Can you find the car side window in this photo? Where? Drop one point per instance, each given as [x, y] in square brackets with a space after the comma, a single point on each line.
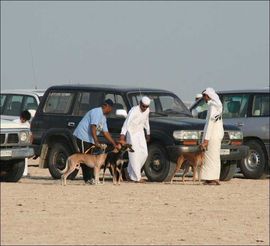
[82, 104]
[201, 109]
[13, 105]
[118, 101]
[3, 99]
[30, 103]
[58, 102]
[235, 106]
[260, 105]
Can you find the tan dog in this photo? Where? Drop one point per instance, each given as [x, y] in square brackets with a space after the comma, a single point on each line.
[195, 160]
[94, 161]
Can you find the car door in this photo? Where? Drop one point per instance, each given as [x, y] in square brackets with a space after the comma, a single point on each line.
[236, 108]
[259, 116]
[84, 101]
[53, 112]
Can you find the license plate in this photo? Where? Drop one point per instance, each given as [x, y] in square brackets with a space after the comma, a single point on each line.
[224, 152]
[6, 153]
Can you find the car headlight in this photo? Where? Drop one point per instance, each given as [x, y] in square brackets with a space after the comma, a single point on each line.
[236, 135]
[24, 137]
[186, 135]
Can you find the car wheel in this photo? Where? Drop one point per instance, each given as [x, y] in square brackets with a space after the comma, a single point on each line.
[57, 160]
[157, 167]
[228, 170]
[12, 171]
[253, 166]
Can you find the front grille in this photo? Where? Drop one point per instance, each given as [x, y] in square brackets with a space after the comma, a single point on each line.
[2, 138]
[13, 138]
[225, 140]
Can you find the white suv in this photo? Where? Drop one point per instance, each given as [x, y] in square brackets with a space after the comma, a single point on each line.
[14, 148]
[13, 102]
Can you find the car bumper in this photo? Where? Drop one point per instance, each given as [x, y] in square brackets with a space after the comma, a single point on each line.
[16, 153]
[228, 152]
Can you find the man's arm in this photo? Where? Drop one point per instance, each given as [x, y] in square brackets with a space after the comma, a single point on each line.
[108, 136]
[147, 128]
[94, 134]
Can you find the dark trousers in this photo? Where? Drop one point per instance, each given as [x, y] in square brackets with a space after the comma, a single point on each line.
[87, 172]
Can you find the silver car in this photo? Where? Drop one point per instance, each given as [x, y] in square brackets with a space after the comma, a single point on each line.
[249, 110]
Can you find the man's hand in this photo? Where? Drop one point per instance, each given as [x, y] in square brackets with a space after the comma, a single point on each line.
[97, 144]
[122, 138]
[147, 138]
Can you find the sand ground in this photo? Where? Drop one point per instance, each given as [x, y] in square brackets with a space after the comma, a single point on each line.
[38, 210]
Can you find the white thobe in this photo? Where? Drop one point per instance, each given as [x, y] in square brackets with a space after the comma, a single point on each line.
[133, 128]
[214, 132]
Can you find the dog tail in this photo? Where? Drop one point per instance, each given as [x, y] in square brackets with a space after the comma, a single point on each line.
[66, 167]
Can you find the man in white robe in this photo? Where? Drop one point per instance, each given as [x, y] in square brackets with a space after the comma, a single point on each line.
[133, 131]
[212, 137]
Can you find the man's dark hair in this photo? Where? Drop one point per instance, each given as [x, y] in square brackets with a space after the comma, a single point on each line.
[108, 102]
[25, 115]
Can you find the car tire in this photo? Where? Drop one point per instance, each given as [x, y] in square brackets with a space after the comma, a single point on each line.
[253, 166]
[58, 155]
[12, 171]
[157, 167]
[228, 170]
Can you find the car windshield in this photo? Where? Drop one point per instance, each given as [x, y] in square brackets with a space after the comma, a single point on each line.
[162, 104]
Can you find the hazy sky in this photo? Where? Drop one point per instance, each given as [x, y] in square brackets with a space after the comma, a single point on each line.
[180, 46]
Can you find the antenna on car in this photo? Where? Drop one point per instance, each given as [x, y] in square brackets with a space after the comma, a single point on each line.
[33, 67]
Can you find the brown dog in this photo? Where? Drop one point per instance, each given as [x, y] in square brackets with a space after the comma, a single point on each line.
[94, 161]
[195, 160]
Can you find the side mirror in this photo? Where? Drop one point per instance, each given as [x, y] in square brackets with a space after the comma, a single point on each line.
[121, 112]
[194, 113]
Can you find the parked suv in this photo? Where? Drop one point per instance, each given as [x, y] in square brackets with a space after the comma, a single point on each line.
[14, 148]
[173, 129]
[13, 102]
[248, 110]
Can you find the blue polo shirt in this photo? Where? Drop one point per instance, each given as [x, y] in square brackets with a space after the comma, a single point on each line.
[93, 117]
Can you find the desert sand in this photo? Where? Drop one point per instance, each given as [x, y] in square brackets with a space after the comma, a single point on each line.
[38, 210]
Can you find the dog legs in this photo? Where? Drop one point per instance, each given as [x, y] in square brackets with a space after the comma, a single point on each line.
[179, 163]
[71, 167]
[104, 169]
[96, 173]
[113, 175]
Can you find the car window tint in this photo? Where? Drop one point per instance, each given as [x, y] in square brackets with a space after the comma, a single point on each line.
[260, 106]
[30, 103]
[82, 104]
[14, 105]
[58, 102]
[201, 109]
[118, 101]
[167, 102]
[3, 99]
[235, 106]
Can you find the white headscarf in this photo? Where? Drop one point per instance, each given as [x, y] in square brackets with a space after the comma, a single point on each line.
[214, 97]
[146, 100]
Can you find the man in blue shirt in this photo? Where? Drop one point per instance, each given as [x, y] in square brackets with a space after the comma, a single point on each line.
[89, 128]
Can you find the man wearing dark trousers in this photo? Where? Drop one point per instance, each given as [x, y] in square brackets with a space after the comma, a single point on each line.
[89, 128]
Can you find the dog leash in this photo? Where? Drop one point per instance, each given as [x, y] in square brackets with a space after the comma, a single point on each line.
[89, 149]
